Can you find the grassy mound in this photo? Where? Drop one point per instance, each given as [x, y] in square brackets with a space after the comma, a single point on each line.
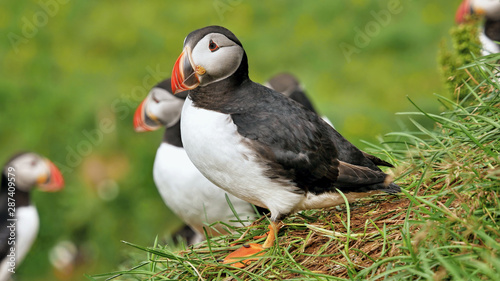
[445, 225]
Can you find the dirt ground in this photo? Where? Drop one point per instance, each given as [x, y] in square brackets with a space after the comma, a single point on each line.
[322, 252]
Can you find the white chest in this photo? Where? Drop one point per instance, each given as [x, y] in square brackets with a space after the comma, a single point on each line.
[488, 46]
[214, 146]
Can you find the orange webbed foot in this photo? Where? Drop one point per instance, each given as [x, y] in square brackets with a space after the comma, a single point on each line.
[251, 250]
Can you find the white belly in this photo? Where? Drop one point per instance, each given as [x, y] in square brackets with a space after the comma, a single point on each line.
[26, 231]
[488, 46]
[190, 195]
[217, 150]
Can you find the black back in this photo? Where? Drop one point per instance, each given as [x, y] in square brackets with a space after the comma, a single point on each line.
[492, 29]
[172, 135]
[289, 85]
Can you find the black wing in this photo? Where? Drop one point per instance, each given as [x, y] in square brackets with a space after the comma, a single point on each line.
[290, 139]
[298, 145]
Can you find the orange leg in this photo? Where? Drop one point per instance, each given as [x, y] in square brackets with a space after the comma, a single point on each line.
[252, 249]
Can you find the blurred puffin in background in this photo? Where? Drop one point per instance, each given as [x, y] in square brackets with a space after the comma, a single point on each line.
[192, 197]
[183, 188]
[489, 36]
[19, 221]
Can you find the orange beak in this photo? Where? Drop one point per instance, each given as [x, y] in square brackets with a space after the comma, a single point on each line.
[463, 10]
[184, 76]
[55, 180]
[145, 121]
[139, 119]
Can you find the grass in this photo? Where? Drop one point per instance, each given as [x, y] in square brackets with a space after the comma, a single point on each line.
[443, 226]
[465, 48]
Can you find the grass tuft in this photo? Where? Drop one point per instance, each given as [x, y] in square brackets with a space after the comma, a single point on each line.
[465, 48]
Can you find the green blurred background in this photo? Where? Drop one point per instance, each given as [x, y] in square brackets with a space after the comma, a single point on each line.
[73, 73]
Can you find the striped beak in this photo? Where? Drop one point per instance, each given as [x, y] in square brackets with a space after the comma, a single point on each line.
[184, 76]
[53, 181]
[144, 121]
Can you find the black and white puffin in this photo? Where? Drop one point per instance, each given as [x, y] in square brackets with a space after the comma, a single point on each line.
[192, 197]
[19, 220]
[259, 145]
[490, 33]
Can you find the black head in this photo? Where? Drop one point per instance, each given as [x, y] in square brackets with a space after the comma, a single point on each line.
[195, 36]
[211, 54]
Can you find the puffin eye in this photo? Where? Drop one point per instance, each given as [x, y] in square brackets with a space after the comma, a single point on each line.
[213, 46]
[154, 98]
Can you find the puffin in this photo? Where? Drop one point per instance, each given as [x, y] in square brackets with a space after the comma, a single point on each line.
[489, 36]
[19, 217]
[192, 197]
[260, 145]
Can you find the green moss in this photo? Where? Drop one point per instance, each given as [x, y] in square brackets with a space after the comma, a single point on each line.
[465, 46]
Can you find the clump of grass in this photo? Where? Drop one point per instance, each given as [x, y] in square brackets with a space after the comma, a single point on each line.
[452, 225]
[445, 225]
[465, 49]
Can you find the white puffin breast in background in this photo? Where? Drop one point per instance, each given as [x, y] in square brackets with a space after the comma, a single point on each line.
[27, 226]
[188, 193]
[488, 46]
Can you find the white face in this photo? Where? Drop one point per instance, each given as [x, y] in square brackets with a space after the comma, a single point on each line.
[29, 170]
[489, 8]
[218, 55]
[163, 106]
